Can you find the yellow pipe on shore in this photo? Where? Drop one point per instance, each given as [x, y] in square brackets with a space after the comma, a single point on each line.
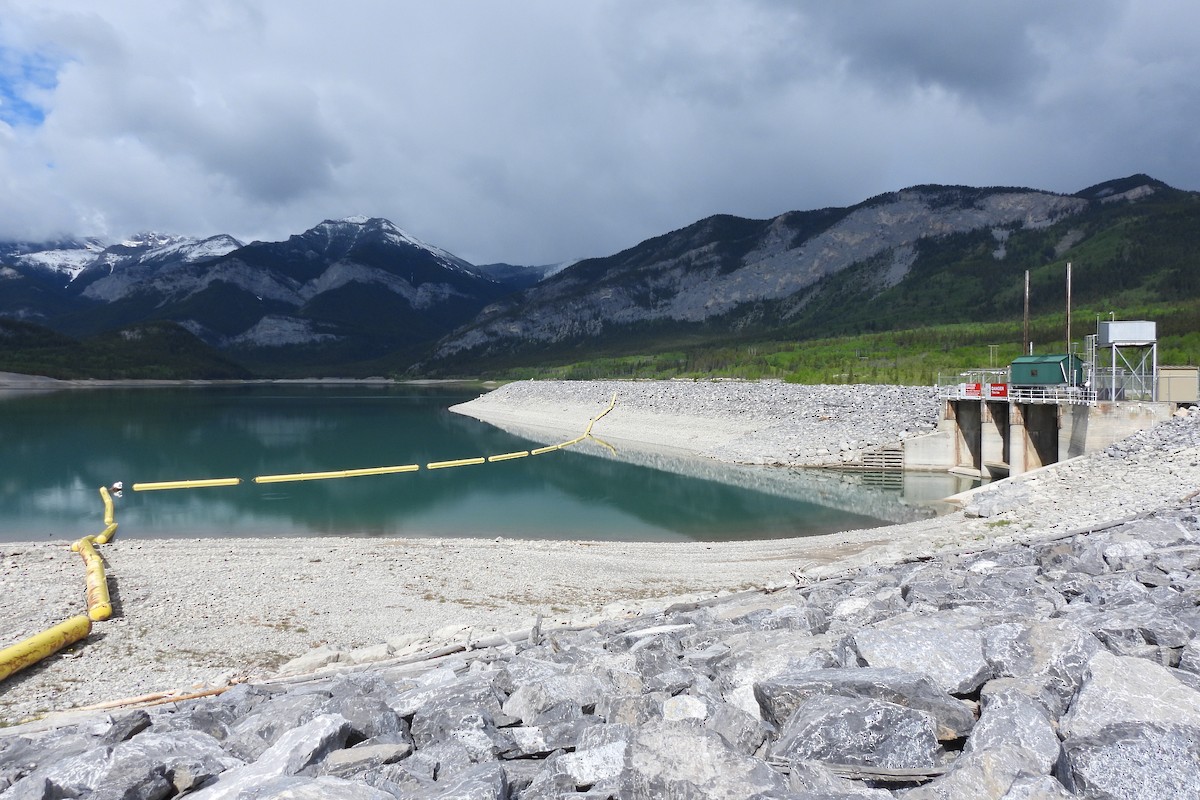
[541, 450]
[107, 534]
[201, 484]
[98, 602]
[611, 405]
[508, 456]
[32, 650]
[462, 462]
[340, 473]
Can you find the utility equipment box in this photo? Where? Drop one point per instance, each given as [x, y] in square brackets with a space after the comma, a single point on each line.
[1132, 333]
[1179, 384]
[1049, 370]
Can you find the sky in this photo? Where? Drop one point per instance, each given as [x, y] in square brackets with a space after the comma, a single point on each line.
[538, 131]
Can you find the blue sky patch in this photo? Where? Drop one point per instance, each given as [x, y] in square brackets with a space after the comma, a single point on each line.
[22, 77]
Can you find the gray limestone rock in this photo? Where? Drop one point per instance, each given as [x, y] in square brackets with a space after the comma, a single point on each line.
[363, 758]
[947, 647]
[811, 780]
[994, 502]
[295, 750]
[524, 741]
[1121, 689]
[291, 787]
[251, 735]
[781, 695]
[149, 765]
[530, 701]
[1012, 719]
[599, 760]
[369, 717]
[1054, 652]
[757, 655]
[1045, 788]
[446, 757]
[862, 732]
[472, 728]
[680, 761]
[743, 732]
[981, 775]
[213, 718]
[481, 782]
[1133, 760]
[806, 618]
[631, 709]
[533, 664]
[1189, 657]
[23, 756]
[864, 605]
[475, 690]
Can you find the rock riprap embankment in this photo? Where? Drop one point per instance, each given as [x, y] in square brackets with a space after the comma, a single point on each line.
[736, 421]
[1064, 668]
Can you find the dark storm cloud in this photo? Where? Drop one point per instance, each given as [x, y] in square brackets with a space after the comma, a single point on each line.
[979, 51]
[538, 131]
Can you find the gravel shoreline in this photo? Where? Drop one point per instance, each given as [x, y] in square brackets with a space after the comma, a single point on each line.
[196, 614]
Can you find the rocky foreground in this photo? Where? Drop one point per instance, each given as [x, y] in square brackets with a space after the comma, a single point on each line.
[1063, 669]
[1049, 666]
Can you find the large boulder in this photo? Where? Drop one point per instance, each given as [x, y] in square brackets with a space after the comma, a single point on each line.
[948, 647]
[1134, 760]
[859, 731]
[1121, 689]
[294, 751]
[781, 695]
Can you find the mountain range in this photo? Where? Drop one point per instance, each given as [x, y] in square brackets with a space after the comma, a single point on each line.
[360, 294]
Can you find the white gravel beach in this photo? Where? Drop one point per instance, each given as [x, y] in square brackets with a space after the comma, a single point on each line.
[198, 614]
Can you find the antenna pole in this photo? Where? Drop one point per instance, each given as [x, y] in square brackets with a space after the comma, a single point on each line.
[1068, 306]
[1025, 330]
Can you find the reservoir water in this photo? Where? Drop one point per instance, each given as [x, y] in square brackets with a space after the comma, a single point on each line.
[58, 448]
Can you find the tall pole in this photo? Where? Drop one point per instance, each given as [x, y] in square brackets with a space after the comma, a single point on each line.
[1025, 333]
[1068, 308]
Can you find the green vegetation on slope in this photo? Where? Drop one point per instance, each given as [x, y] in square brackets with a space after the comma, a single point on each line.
[916, 356]
[153, 350]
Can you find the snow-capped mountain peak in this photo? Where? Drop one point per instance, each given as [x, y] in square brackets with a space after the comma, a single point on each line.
[192, 250]
[152, 239]
[69, 262]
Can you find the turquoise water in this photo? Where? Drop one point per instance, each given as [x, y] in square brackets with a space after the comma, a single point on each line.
[57, 448]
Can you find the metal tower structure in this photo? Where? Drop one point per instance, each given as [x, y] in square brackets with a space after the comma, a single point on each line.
[1130, 371]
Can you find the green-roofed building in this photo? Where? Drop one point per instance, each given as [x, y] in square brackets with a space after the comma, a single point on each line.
[1047, 370]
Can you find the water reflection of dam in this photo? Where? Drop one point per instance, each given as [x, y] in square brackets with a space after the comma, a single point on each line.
[895, 496]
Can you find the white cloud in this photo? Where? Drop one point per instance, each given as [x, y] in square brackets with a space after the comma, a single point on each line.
[536, 131]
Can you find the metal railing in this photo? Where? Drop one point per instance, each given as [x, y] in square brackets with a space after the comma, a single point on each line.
[1060, 395]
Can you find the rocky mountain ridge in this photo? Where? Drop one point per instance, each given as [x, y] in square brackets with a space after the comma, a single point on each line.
[362, 291]
[745, 273]
[359, 285]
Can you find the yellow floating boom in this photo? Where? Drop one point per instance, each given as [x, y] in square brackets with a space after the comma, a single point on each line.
[104, 537]
[339, 473]
[508, 456]
[462, 462]
[201, 484]
[108, 505]
[35, 648]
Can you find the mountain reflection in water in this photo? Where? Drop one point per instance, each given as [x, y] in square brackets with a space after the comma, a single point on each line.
[57, 448]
